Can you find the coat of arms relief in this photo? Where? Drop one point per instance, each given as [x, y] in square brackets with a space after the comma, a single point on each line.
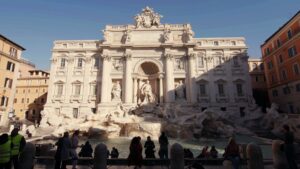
[147, 18]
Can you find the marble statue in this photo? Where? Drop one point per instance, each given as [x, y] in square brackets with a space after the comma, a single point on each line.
[146, 91]
[179, 64]
[117, 65]
[116, 91]
[167, 35]
[138, 21]
[127, 37]
[179, 90]
[188, 35]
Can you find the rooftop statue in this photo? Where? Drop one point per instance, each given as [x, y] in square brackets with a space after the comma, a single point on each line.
[147, 18]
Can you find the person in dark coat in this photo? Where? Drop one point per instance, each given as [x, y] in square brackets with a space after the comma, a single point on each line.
[86, 150]
[289, 147]
[135, 153]
[149, 148]
[213, 152]
[65, 150]
[58, 153]
[164, 144]
[114, 153]
[204, 153]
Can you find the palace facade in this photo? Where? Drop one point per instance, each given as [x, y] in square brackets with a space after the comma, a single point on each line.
[148, 63]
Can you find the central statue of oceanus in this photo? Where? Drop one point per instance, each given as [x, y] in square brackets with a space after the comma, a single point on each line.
[147, 18]
[147, 95]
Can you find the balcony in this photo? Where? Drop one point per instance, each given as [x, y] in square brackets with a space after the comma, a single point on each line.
[222, 98]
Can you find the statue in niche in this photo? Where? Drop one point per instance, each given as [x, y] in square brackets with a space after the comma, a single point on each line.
[116, 91]
[179, 90]
[127, 37]
[156, 19]
[179, 64]
[117, 64]
[106, 36]
[167, 35]
[188, 35]
[146, 92]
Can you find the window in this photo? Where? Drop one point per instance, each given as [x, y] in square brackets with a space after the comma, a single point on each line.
[94, 110]
[77, 88]
[15, 100]
[278, 43]
[42, 100]
[27, 100]
[292, 51]
[298, 87]
[75, 113]
[216, 43]
[268, 51]
[280, 58]
[233, 43]
[242, 111]
[275, 93]
[289, 34]
[97, 63]
[62, 62]
[202, 90]
[221, 89]
[23, 100]
[79, 63]
[239, 89]
[59, 89]
[13, 52]
[296, 69]
[219, 60]
[256, 78]
[4, 101]
[286, 90]
[8, 82]
[200, 61]
[93, 89]
[283, 74]
[223, 108]
[235, 61]
[270, 65]
[10, 66]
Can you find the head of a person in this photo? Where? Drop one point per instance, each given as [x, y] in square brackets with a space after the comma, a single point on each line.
[87, 143]
[213, 148]
[232, 141]
[163, 133]
[149, 138]
[76, 133]
[286, 128]
[66, 134]
[14, 132]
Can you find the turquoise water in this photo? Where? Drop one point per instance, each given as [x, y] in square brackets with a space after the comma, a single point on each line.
[122, 144]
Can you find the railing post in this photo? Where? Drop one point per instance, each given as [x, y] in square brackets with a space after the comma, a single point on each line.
[100, 156]
[177, 156]
[254, 156]
[27, 157]
[279, 158]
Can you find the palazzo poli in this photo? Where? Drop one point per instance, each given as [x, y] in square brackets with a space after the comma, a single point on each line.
[149, 64]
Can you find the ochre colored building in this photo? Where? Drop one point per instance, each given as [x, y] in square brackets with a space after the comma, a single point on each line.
[280, 55]
[10, 56]
[258, 82]
[31, 94]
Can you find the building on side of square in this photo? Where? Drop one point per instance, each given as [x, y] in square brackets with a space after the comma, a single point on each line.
[149, 64]
[281, 58]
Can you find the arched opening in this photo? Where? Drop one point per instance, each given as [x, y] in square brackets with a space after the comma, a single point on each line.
[148, 68]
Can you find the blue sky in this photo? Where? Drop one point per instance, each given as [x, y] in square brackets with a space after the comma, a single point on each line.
[35, 24]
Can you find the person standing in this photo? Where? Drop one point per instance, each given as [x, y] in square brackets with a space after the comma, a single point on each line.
[18, 143]
[149, 148]
[232, 153]
[74, 143]
[135, 153]
[59, 145]
[289, 147]
[65, 150]
[5, 150]
[163, 149]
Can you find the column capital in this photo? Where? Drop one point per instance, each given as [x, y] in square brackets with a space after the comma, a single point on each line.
[169, 56]
[105, 56]
[192, 55]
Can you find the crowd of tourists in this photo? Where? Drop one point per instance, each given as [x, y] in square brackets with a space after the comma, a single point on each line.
[10, 149]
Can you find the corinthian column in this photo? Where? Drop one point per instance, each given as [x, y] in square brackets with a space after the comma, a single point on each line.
[169, 80]
[106, 80]
[192, 78]
[128, 79]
